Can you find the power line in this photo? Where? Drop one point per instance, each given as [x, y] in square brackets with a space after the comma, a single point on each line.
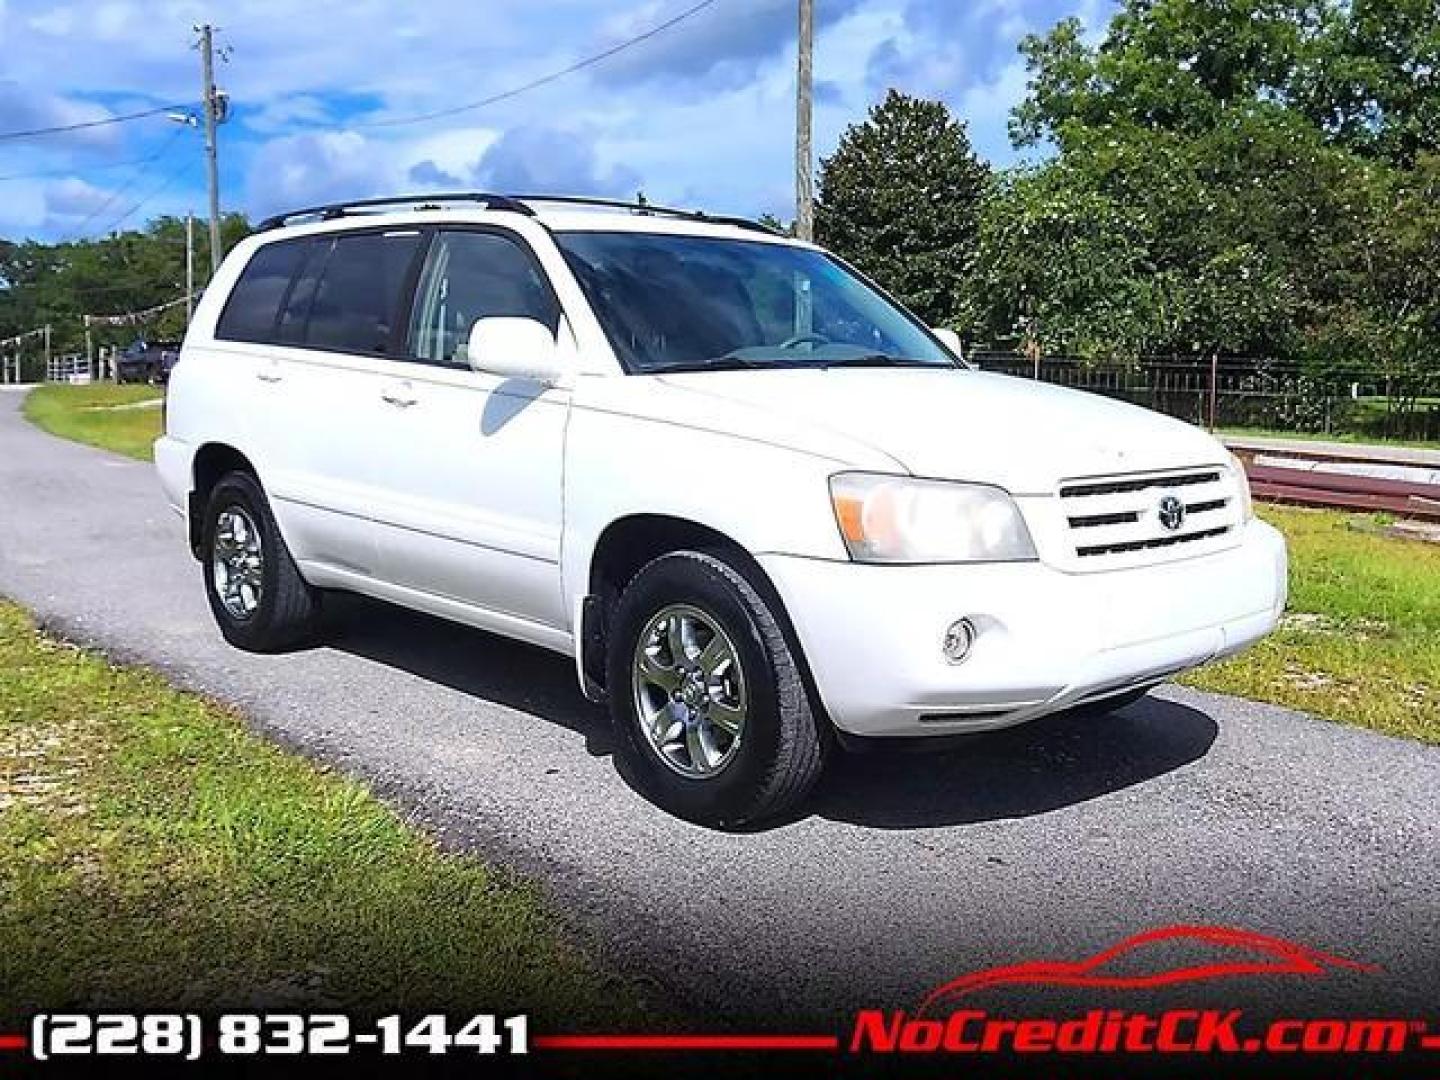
[104, 166]
[121, 119]
[534, 84]
[163, 186]
[145, 163]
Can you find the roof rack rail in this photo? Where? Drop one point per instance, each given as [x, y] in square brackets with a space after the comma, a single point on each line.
[650, 208]
[425, 201]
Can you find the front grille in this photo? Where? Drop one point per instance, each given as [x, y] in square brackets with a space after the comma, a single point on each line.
[1153, 542]
[1117, 487]
[1120, 516]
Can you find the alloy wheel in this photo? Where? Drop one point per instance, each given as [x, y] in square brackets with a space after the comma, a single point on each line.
[237, 562]
[690, 696]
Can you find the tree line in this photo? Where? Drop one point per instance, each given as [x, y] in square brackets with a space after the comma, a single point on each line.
[58, 284]
[1236, 178]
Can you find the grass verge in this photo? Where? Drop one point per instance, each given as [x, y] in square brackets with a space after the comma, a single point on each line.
[1349, 437]
[157, 854]
[123, 418]
[1360, 642]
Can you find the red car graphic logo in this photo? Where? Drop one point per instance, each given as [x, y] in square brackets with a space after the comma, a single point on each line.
[1256, 954]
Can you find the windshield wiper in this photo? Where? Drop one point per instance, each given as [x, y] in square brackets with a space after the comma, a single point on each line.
[738, 363]
[877, 359]
[722, 363]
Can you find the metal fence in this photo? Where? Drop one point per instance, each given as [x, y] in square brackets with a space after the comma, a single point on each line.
[71, 368]
[1234, 393]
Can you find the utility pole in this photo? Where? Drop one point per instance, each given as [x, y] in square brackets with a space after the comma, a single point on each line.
[189, 266]
[47, 347]
[804, 108]
[211, 104]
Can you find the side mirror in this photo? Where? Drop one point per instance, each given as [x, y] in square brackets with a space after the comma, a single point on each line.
[515, 349]
[950, 339]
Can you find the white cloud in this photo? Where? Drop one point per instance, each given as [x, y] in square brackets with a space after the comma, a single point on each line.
[299, 170]
[74, 197]
[305, 78]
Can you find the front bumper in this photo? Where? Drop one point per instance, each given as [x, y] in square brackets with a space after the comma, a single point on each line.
[173, 466]
[1046, 639]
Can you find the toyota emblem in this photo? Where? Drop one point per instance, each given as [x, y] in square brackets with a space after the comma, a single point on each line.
[1171, 512]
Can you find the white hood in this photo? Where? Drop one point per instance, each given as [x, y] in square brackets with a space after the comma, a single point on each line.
[963, 425]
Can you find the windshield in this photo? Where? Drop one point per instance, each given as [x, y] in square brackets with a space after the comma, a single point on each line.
[689, 303]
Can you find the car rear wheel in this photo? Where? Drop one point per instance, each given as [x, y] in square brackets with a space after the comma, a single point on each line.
[714, 719]
[256, 593]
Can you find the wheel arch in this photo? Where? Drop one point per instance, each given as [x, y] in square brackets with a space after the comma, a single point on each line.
[629, 543]
[212, 461]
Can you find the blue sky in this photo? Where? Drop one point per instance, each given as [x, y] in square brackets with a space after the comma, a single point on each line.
[699, 115]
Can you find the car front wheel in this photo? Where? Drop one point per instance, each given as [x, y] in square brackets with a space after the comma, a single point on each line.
[714, 718]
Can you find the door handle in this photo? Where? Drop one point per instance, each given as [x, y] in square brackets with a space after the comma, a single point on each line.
[269, 376]
[401, 397]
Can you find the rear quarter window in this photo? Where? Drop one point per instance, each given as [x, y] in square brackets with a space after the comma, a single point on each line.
[250, 310]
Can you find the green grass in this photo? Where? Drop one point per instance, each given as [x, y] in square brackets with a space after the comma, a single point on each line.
[120, 418]
[1372, 440]
[1360, 642]
[158, 854]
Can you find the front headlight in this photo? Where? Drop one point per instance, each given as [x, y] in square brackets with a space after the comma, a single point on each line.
[897, 519]
[1247, 506]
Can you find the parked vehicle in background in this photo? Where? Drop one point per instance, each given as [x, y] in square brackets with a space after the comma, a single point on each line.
[147, 362]
[765, 509]
[169, 357]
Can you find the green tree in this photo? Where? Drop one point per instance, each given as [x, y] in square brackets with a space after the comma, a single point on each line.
[1233, 242]
[900, 198]
[60, 283]
[770, 221]
[1361, 72]
[1061, 268]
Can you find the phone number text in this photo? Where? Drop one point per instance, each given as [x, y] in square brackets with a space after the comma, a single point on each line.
[189, 1036]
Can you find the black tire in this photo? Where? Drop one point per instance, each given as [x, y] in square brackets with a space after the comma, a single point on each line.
[288, 609]
[781, 752]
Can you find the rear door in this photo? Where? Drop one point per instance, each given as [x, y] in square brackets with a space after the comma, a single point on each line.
[470, 473]
[331, 347]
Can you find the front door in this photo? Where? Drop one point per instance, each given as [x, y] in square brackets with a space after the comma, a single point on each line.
[469, 464]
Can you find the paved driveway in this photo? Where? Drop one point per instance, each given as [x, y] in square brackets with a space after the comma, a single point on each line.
[1051, 841]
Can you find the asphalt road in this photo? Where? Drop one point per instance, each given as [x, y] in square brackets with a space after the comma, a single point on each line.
[1048, 842]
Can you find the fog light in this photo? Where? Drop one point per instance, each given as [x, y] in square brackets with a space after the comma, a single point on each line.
[958, 640]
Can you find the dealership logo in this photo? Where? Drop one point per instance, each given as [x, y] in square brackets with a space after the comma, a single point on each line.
[951, 1020]
[956, 1019]
[1171, 512]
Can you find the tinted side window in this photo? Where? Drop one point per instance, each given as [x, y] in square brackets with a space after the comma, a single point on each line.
[469, 276]
[295, 317]
[250, 311]
[358, 297]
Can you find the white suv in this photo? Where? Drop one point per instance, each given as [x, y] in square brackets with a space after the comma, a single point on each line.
[764, 507]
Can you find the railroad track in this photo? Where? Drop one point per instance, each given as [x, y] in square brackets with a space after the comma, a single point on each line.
[1401, 482]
